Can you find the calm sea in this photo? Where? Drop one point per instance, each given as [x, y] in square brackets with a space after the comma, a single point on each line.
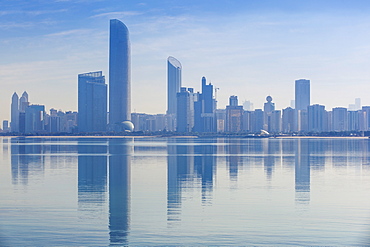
[184, 191]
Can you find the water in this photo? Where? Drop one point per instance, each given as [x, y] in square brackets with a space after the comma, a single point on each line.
[184, 191]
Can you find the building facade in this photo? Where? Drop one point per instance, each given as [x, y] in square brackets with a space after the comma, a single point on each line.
[119, 74]
[92, 102]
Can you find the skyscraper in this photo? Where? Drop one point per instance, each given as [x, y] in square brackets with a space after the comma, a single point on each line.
[173, 83]
[119, 74]
[14, 124]
[185, 110]
[302, 94]
[92, 102]
[302, 101]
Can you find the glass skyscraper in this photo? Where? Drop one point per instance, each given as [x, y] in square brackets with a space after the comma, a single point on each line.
[173, 83]
[119, 74]
[302, 94]
[92, 102]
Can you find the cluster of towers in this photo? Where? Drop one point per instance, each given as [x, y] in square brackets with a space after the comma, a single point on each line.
[187, 110]
[92, 90]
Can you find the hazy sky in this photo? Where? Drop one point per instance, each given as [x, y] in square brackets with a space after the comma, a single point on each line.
[248, 48]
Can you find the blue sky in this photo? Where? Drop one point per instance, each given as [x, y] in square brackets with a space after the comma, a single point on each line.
[246, 48]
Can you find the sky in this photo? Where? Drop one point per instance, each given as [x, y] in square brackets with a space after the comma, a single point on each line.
[248, 48]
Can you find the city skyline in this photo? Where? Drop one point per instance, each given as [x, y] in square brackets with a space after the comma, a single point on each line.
[253, 50]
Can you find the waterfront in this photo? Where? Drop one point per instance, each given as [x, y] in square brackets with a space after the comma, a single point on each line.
[184, 191]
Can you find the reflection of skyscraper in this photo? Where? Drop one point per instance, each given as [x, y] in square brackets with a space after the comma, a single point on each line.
[302, 171]
[119, 73]
[179, 164]
[92, 175]
[233, 159]
[92, 102]
[270, 148]
[26, 157]
[119, 190]
[204, 164]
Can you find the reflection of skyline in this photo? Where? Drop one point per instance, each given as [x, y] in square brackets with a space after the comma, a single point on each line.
[26, 156]
[270, 148]
[185, 162]
[119, 190]
[302, 170]
[204, 165]
[179, 160]
[92, 175]
[94, 167]
[233, 159]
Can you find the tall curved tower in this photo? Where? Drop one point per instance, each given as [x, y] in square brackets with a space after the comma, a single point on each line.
[119, 73]
[14, 124]
[173, 83]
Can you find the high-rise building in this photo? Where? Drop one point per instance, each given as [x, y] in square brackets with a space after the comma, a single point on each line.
[234, 115]
[174, 69]
[34, 119]
[288, 120]
[185, 110]
[14, 124]
[340, 119]
[302, 101]
[23, 102]
[119, 74]
[92, 102]
[316, 118]
[302, 94]
[204, 109]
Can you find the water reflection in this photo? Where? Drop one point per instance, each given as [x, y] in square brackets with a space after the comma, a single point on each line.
[94, 167]
[204, 166]
[302, 171]
[187, 163]
[26, 157]
[179, 168]
[233, 159]
[120, 151]
[92, 176]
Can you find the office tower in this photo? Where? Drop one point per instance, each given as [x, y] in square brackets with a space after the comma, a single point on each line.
[34, 118]
[233, 100]
[288, 120]
[234, 115]
[302, 101]
[5, 125]
[365, 119]
[340, 119]
[53, 122]
[23, 102]
[119, 74]
[316, 118]
[257, 121]
[14, 124]
[354, 118]
[204, 109]
[268, 108]
[275, 123]
[185, 110]
[302, 94]
[174, 69]
[92, 102]
[220, 115]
